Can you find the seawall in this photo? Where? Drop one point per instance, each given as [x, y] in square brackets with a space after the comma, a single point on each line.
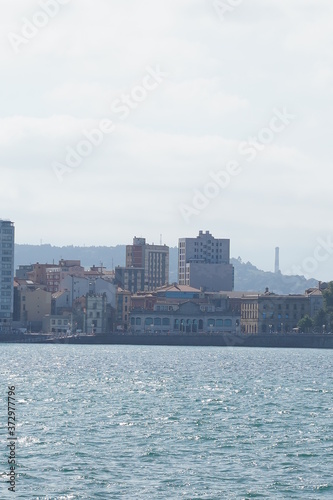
[311, 341]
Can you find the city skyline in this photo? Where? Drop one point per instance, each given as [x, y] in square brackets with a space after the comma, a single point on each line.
[146, 120]
[309, 267]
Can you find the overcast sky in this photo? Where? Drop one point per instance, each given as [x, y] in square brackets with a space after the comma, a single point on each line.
[214, 116]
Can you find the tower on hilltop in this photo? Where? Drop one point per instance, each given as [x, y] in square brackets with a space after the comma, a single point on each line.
[277, 260]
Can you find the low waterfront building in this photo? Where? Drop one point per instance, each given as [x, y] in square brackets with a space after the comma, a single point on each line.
[77, 286]
[179, 292]
[143, 301]
[123, 309]
[235, 299]
[61, 302]
[95, 317]
[34, 305]
[268, 312]
[316, 300]
[183, 318]
[57, 323]
[101, 285]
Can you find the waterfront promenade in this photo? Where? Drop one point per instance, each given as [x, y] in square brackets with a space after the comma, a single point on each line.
[294, 340]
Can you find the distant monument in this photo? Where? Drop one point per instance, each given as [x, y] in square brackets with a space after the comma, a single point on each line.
[277, 260]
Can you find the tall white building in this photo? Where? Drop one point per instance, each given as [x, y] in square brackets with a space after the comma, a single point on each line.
[6, 273]
[204, 261]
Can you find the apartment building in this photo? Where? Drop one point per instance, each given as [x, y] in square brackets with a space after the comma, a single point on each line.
[204, 262]
[6, 273]
[153, 259]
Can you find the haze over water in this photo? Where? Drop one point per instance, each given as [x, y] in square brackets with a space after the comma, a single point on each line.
[141, 422]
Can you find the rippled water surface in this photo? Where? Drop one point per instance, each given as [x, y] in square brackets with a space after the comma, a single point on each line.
[138, 422]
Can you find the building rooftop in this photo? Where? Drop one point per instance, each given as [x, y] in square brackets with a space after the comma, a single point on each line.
[174, 287]
[238, 294]
[56, 295]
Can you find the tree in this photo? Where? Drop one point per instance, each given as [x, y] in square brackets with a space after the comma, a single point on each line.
[328, 304]
[305, 324]
[320, 319]
[328, 295]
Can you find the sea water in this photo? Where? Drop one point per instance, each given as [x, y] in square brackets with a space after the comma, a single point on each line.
[138, 422]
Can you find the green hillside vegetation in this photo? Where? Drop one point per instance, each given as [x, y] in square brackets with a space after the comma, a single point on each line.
[250, 278]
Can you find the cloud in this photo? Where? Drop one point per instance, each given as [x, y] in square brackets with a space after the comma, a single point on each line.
[224, 80]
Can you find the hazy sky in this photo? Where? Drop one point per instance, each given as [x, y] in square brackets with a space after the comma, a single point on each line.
[211, 115]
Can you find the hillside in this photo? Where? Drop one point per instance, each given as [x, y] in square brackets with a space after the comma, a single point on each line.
[249, 277]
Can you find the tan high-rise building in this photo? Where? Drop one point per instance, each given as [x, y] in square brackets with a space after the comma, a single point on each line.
[154, 259]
